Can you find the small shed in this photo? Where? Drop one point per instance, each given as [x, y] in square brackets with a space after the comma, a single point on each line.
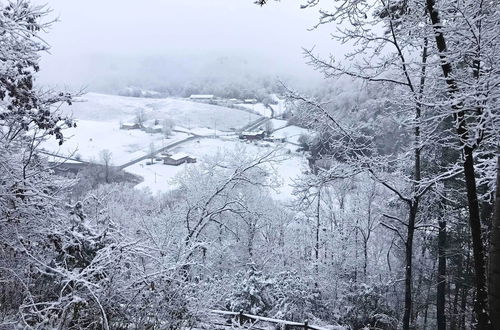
[275, 139]
[178, 159]
[258, 135]
[154, 129]
[250, 101]
[129, 126]
[202, 97]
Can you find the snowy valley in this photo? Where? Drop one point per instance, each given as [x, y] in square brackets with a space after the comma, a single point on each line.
[199, 130]
[251, 164]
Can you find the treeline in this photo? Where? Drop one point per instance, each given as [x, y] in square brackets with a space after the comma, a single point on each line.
[253, 88]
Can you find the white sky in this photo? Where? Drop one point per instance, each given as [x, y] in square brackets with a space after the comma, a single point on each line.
[94, 29]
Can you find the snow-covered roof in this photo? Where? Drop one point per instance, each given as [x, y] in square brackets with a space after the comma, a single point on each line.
[179, 156]
[201, 96]
[252, 133]
[250, 100]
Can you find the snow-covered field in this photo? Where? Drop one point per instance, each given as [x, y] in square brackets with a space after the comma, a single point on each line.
[278, 109]
[98, 118]
[159, 177]
[259, 108]
[89, 138]
[291, 133]
[98, 128]
[278, 123]
[101, 107]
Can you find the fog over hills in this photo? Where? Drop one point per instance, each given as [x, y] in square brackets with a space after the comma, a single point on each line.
[175, 74]
[158, 44]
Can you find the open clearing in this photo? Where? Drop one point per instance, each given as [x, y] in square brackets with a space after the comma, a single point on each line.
[159, 177]
[100, 107]
[211, 127]
[89, 138]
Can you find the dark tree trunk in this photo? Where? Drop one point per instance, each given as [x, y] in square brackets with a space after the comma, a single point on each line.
[481, 306]
[365, 254]
[463, 307]
[441, 278]
[415, 200]
[428, 299]
[316, 245]
[409, 265]
[494, 270]
[466, 288]
[454, 318]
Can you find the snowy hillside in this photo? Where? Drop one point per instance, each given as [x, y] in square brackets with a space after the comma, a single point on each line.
[158, 177]
[101, 107]
[200, 130]
[98, 119]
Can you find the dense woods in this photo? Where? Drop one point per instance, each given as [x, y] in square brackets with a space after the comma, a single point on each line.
[395, 224]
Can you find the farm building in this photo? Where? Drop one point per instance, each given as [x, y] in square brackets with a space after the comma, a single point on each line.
[250, 101]
[258, 135]
[178, 159]
[202, 97]
[130, 126]
[154, 129]
[275, 139]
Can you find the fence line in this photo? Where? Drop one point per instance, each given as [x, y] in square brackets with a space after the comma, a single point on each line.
[242, 317]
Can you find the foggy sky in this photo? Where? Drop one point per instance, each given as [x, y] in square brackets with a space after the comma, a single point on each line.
[95, 37]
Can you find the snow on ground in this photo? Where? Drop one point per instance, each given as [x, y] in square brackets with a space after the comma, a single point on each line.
[278, 123]
[98, 128]
[159, 177]
[279, 108]
[291, 133]
[98, 118]
[289, 170]
[101, 107]
[203, 131]
[89, 138]
[258, 108]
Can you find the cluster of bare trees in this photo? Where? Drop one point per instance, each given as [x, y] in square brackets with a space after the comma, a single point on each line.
[63, 264]
[440, 59]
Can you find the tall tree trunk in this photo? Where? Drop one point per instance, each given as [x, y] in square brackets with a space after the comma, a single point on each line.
[409, 265]
[417, 176]
[481, 305]
[455, 321]
[494, 270]
[465, 293]
[316, 245]
[420, 287]
[365, 254]
[441, 278]
[428, 298]
[454, 318]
